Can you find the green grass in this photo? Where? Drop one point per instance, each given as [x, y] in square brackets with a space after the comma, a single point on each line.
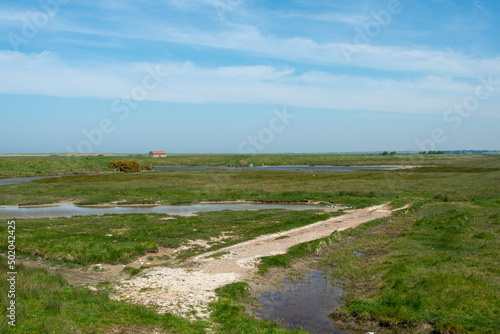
[439, 272]
[22, 166]
[313, 247]
[46, 303]
[51, 165]
[130, 271]
[360, 188]
[437, 265]
[86, 240]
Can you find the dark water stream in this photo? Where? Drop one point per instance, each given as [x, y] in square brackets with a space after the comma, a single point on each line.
[304, 303]
[4, 182]
[291, 168]
[10, 212]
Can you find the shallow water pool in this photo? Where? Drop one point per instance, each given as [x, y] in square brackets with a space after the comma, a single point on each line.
[304, 303]
[10, 212]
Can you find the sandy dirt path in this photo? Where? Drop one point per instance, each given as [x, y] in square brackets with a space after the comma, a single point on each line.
[187, 289]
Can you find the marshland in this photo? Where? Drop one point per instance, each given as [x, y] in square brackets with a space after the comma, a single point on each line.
[428, 263]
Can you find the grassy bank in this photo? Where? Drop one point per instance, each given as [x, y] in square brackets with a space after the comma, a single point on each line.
[441, 270]
[86, 240]
[46, 303]
[22, 166]
[431, 269]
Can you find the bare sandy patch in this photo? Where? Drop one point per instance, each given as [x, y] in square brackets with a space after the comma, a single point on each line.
[182, 292]
[167, 218]
[49, 205]
[204, 243]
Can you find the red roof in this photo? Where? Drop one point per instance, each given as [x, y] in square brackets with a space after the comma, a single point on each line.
[158, 152]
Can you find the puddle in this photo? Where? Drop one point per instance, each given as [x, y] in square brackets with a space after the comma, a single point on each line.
[292, 168]
[11, 212]
[304, 303]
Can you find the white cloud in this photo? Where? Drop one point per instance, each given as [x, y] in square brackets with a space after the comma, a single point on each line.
[333, 17]
[222, 4]
[250, 40]
[46, 74]
[14, 15]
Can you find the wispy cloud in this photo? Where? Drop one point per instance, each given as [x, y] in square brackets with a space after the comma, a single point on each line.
[431, 75]
[46, 74]
[133, 26]
[351, 19]
[249, 40]
[9, 15]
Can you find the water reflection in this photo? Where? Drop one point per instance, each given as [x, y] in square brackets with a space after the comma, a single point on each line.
[291, 168]
[71, 210]
[304, 303]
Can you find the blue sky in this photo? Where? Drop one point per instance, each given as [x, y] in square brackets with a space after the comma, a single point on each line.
[249, 76]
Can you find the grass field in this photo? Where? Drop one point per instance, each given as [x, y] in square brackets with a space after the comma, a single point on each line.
[48, 304]
[22, 166]
[441, 270]
[433, 268]
[360, 188]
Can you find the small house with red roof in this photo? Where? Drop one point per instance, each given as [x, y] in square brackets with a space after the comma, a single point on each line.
[157, 154]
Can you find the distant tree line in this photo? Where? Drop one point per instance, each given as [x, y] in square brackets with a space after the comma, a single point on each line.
[387, 153]
[472, 152]
[431, 152]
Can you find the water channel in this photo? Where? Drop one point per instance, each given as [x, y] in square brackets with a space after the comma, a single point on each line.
[4, 182]
[291, 168]
[10, 212]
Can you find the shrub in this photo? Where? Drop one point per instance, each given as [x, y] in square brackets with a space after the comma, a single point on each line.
[125, 166]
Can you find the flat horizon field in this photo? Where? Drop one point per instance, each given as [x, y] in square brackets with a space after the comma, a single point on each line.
[432, 267]
[64, 164]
